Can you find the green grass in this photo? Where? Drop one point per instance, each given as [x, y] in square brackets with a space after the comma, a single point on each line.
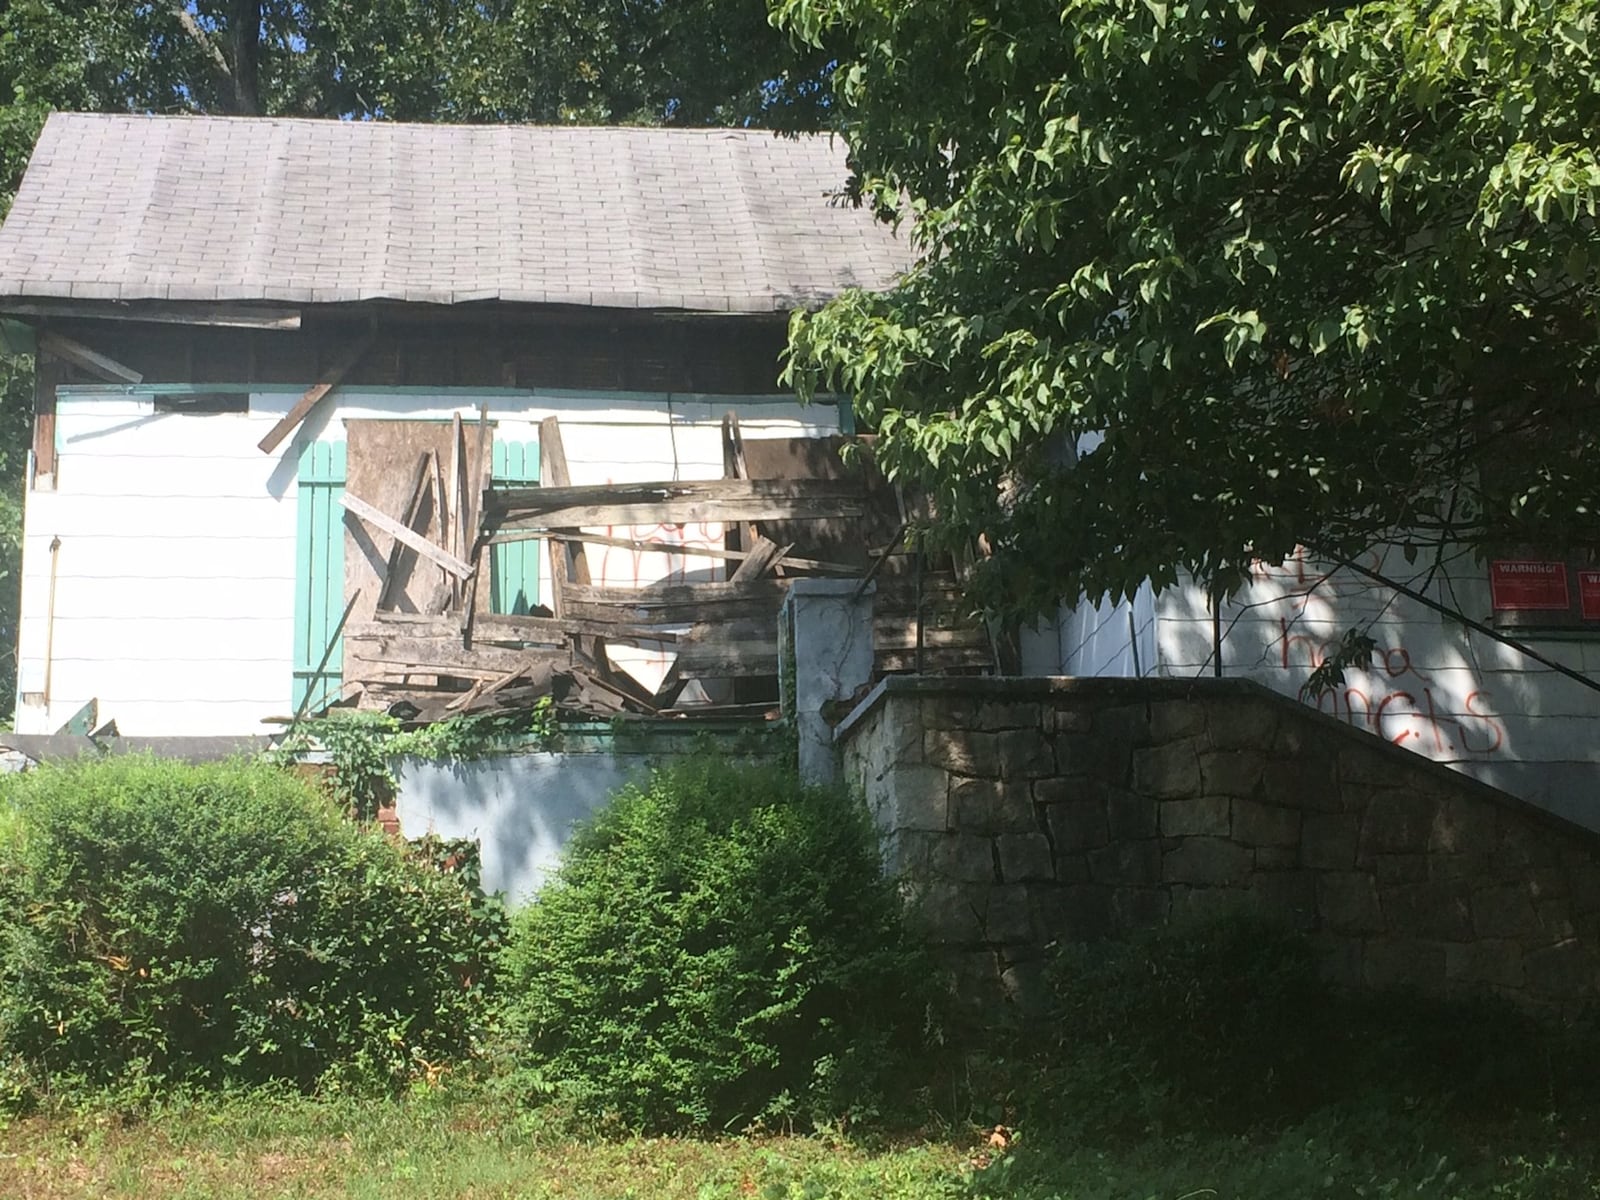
[429, 1145]
[448, 1144]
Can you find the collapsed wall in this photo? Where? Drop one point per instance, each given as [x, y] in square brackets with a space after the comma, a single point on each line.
[1024, 812]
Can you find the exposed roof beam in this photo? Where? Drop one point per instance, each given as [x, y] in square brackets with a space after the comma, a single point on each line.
[91, 360]
[239, 316]
[331, 379]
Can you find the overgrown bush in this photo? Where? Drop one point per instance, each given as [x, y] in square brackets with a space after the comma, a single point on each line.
[719, 947]
[218, 924]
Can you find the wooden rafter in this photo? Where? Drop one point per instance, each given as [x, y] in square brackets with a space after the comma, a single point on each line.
[331, 378]
[75, 352]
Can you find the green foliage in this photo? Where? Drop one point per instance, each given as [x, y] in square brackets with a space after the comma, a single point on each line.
[1204, 281]
[609, 62]
[364, 746]
[1221, 1018]
[1224, 1026]
[214, 925]
[719, 947]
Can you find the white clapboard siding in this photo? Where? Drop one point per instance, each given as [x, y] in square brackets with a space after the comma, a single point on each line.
[175, 577]
[132, 680]
[151, 718]
[159, 639]
[117, 556]
[179, 516]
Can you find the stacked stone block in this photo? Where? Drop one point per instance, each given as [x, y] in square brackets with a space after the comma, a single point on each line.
[1021, 813]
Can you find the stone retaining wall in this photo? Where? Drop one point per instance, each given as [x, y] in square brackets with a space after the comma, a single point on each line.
[1022, 812]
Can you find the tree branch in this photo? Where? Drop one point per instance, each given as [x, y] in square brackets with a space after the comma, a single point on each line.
[202, 39]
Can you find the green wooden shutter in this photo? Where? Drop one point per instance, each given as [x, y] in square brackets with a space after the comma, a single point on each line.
[515, 570]
[319, 573]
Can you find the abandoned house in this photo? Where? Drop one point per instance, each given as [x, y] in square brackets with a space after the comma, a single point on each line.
[429, 419]
[442, 420]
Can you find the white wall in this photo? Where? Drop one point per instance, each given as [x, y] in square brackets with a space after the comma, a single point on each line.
[174, 597]
[1100, 639]
[1434, 687]
[521, 809]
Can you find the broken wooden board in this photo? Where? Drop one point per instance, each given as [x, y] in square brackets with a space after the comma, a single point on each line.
[381, 461]
[410, 537]
[381, 469]
[816, 461]
[568, 562]
[416, 511]
[679, 603]
[102, 366]
[680, 549]
[678, 503]
[331, 378]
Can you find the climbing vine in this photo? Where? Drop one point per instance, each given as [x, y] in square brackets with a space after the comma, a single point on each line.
[363, 746]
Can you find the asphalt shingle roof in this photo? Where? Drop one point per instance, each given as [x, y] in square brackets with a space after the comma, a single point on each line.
[317, 212]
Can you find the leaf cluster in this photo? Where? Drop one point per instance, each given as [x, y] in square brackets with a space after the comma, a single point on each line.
[365, 746]
[719, 947]
[1201, 281]
[173, 924]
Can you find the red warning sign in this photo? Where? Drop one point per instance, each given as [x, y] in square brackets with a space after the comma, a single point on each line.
[1523, 585]
[1589, 594]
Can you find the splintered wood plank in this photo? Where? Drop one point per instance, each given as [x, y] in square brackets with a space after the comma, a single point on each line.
[764, 554]
[533, 674]
[723, 659]
[380, 456]
[331, 378]
[435, 554]
[678, 548]
[482, 477]
[553, 471]
[672, 592]
[493, 628]
[75, 352]
[452, 539]
[414, 513]
[734, 467]
[432, 656]
[543, 500]
[670, 613]
[531, 629]
[687, 511]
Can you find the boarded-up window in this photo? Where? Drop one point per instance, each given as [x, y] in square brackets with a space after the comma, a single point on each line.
[515, 571]
[319, 574]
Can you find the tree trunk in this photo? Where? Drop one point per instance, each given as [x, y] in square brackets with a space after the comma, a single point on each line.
[244, 40]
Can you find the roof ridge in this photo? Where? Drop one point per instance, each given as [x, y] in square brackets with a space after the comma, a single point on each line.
[740, 131]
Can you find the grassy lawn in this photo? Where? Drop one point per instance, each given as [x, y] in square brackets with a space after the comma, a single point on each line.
[444, 1146]
[436, 1148]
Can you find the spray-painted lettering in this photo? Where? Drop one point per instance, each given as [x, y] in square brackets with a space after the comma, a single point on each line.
[1406, 707]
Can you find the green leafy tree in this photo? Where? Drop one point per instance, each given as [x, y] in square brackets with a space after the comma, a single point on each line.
[1203, 281]
[714, 62]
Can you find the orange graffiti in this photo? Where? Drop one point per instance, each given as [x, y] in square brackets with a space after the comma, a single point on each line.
[624, 565]
[1408, 713]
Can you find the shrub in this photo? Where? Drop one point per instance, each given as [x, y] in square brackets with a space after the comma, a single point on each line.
[222, 924]
[718, 947]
